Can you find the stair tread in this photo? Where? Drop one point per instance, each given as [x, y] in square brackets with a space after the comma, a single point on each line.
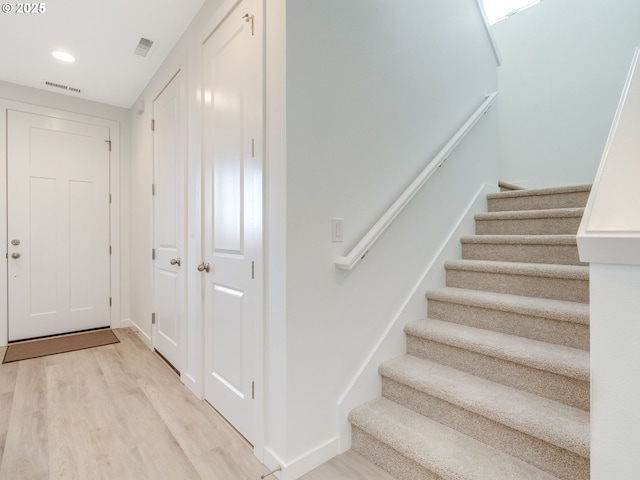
[540, 191]
[558, 359]
[440, 449]
[530, 214]
[578, 272]
[540, 307]
[521, 239]
[553, 422]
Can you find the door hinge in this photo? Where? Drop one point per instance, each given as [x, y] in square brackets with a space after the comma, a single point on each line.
[153, 189]
[110, 199]
[110, 301]
[253, 148]
[153, 254]
[108, 142]
[110, 250]
[249, 18]
[153, 319]
[253, 270]
[253, 390]
[153, 125]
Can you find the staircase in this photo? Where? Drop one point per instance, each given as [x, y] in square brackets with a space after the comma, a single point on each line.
[495, 382]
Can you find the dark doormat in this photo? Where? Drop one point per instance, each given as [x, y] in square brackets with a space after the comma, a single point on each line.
[62, 344]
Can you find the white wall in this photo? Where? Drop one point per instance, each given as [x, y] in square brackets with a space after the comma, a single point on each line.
[564, 66]
[65, 103]
[374, 90]
[615, 370]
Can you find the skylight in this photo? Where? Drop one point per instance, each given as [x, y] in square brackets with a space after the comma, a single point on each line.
[500, 9]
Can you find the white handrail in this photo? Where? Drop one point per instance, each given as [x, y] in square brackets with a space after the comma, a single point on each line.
[360, 250]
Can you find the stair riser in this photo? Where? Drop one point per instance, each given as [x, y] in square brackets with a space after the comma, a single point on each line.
[529, 226]
[387, 458]
[562, 463]
[550, 385]
[572, 290]
[546, 254]
[569, 334]
[539, 202]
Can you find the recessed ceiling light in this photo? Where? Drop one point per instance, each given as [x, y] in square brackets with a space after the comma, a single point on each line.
[63, 56]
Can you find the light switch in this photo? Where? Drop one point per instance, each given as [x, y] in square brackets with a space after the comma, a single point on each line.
[337, 229]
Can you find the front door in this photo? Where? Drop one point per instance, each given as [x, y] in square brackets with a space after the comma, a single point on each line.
[58, 225]
[233, 216]
[169, 151]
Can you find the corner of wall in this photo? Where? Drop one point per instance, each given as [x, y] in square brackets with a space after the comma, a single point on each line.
[146, 339]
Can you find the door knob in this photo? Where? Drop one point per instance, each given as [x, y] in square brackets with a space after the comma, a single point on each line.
[175, 261]
[204, 267]
[17, 255]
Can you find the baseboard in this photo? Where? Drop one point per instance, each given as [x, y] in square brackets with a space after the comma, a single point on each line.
[128, 323]
[366, 385]
[304, 463]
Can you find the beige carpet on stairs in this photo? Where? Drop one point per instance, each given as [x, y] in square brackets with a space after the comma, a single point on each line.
[495, 382]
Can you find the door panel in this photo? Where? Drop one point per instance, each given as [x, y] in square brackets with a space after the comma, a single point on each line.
[58, 211]
[169, 220]
[232, 217]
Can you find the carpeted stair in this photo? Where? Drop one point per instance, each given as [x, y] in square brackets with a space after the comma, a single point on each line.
[495, 382]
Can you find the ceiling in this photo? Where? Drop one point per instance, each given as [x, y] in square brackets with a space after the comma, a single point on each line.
[101, 34]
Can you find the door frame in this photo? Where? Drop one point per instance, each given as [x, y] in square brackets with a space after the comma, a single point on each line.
[196, 214]
[114, 212]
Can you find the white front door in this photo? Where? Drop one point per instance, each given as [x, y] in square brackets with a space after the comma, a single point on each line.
[169, 151]
[233, 217]
[58, 225]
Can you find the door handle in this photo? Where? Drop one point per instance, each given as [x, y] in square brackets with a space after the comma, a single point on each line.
[204, 267]
[175, 261]
[17, 255]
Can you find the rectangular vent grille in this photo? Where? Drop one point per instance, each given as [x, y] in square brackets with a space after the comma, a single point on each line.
[144, 45]
[62, 87]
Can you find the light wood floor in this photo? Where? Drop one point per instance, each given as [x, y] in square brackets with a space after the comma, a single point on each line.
[348, 466]
[118, 412]
[112, 412]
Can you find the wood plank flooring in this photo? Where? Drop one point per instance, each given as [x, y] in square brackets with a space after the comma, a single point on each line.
[119, 412]
[112, 412]
[348, 466]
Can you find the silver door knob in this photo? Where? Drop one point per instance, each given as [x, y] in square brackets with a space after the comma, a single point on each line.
[15, 255]
[175, 261]
[204, 267]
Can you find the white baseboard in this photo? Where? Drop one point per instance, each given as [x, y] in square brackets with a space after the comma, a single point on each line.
[128, 323]
[366, 385]
[304, 463]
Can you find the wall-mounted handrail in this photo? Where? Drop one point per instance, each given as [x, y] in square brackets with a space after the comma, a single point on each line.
[358, 252]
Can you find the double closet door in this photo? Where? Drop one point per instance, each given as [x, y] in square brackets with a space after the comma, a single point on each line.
[230, 272]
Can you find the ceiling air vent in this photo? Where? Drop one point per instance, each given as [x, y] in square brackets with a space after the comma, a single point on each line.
[144, 45]
[62, 87]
